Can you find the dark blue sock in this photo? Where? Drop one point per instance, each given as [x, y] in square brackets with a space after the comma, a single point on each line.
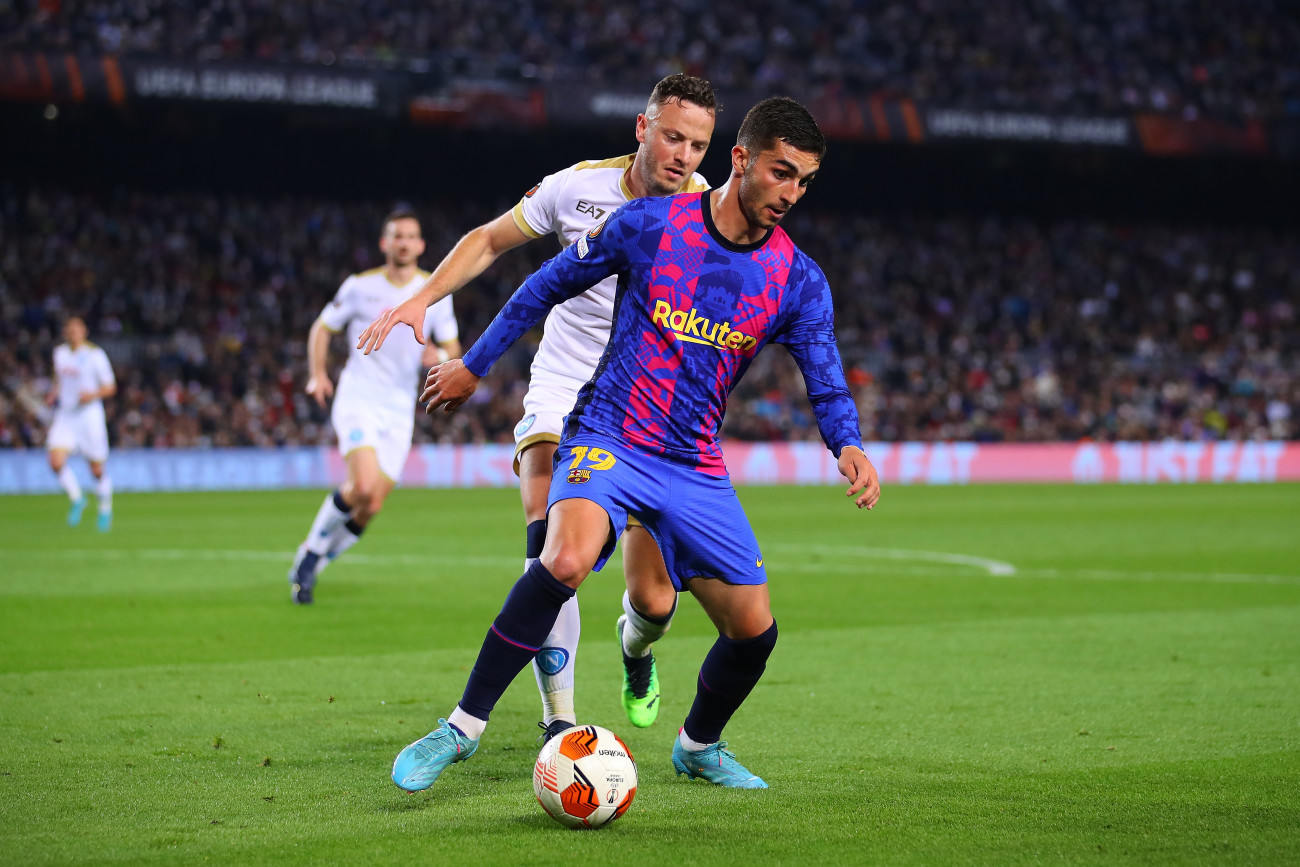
[354, 528]
[340, 503]
[536, 539]
[519, 631]
[729, 673]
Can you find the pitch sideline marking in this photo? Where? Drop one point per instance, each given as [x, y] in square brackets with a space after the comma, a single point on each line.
[991, 567]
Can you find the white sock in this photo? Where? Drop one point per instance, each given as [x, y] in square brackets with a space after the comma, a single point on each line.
[553, 665]
[693, 746]
[104, 491]
[339, 541]
[638, 632]
[328, 519]
[342, 539]
[472, 726]
[68, 479]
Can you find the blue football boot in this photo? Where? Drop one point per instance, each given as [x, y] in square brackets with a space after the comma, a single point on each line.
[715, 764]
[417, 767]
[75, 510]
[105, 522]
[302, 576]
[557, 727]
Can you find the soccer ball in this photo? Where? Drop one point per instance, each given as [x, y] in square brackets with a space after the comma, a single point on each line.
[585, 777]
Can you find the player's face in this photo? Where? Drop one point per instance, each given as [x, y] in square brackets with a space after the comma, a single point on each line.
[772, 181]
[74, 331]
[674, 138]
[402, 242]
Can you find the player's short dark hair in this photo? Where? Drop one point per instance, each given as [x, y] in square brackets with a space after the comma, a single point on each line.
[681, 87]
[781, 119]
[399, 213]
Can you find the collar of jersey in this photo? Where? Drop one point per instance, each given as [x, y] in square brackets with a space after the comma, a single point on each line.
[706, 211]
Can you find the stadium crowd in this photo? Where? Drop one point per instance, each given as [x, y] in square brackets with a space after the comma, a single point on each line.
[1194, 57]
[954, 328]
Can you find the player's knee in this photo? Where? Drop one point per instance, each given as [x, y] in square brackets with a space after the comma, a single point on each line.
[361, 492]
[655, 601]
[755, 648]
[568, 565]
[56, 461]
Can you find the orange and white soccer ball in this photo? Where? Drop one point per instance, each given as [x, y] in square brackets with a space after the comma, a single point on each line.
[585, 777]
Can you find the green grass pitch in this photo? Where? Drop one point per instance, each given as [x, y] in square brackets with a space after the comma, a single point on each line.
[966, 675]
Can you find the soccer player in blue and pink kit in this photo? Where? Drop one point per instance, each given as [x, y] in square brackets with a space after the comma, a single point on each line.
[705, 281]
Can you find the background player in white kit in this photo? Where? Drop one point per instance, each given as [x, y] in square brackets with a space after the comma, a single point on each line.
[673, 135]
[374, 410]
[83, 377]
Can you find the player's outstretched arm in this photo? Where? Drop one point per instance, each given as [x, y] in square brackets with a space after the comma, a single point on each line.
[864, 482]
[578, 267]
[319, 386]
[469, 258]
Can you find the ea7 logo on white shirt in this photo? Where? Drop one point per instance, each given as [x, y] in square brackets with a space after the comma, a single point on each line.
[588, 208]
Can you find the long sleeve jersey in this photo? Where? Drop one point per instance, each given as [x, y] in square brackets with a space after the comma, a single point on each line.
[691, 311]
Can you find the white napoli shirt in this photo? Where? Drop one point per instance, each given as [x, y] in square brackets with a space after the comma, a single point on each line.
[387, 379]
[79, 370]
[570, 203]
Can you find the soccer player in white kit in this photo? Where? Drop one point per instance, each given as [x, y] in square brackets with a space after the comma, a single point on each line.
[83, 377]
[374, 409]
[673, 135]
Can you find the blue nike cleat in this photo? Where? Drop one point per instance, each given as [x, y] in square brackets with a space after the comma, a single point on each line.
[302, 576]
[75, 510]
[717, 765]
[105, 522]
[417, 767]
[556, 727]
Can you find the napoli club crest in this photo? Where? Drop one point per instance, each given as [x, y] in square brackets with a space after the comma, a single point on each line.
[579, 476]
[551, 660]
[524, 424]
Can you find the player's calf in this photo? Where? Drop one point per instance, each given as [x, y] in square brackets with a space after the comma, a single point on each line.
[730, 671]
[636, 633]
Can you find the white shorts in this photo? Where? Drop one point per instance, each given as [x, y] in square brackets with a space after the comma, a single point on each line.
[364, 427]
[549, 399]
[83, 433]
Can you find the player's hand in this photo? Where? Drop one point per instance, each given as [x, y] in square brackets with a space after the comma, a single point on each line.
[87, 397]
[864, 481]
[448, 385]
[321, 389]
[51, 398]
[411, 311]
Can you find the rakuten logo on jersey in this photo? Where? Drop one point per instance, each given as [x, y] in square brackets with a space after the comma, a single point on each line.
[693, 328]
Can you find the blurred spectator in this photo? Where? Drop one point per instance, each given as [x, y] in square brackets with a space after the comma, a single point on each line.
[951, 329]
[1193, 57]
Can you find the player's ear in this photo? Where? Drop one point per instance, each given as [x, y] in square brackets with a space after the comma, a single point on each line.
[739, 159]
[642, 124]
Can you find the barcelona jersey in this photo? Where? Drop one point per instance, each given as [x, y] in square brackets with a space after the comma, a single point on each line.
[691, 311]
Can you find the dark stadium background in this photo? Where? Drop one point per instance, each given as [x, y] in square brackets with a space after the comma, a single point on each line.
[1186, 145]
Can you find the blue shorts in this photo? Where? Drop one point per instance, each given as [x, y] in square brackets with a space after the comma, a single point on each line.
[696, 519]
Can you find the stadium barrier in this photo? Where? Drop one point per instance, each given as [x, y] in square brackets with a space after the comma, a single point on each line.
[427, 95]
[805, 463]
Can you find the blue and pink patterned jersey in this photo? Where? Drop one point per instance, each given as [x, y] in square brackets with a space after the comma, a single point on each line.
[691, 312]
